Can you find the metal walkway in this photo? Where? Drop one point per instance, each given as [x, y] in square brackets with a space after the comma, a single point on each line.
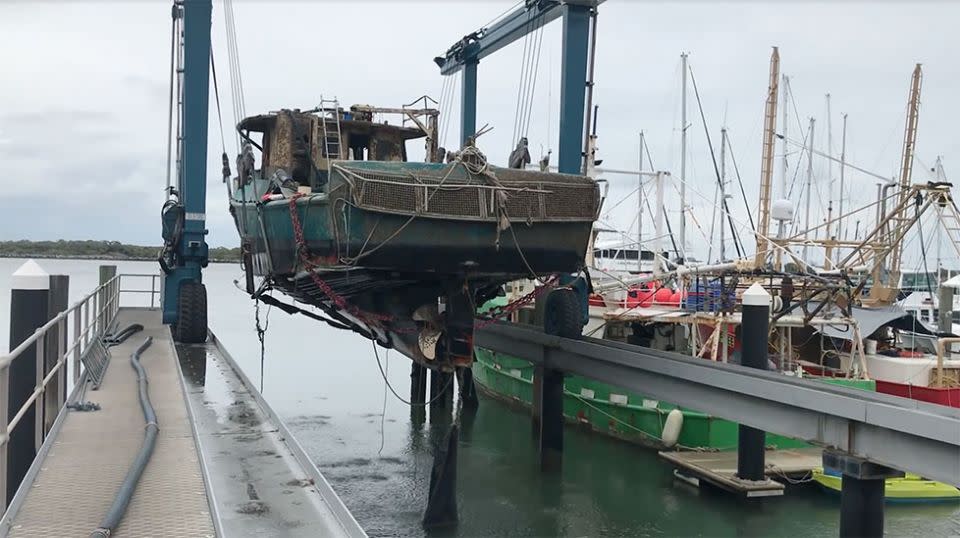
[224, 464]
[88, 458]
[897, 432]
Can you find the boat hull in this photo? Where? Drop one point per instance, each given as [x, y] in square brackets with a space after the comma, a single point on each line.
[614, 412]
[908, 489]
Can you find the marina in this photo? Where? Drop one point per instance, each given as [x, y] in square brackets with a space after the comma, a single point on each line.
[559, 364]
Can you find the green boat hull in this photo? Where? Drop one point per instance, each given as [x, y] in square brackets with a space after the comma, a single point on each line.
[600, 407]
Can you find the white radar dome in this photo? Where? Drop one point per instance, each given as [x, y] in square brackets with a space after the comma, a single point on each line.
[782, 210]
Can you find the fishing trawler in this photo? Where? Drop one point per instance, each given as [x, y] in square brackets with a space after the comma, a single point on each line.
[835, 321]
[331, 212]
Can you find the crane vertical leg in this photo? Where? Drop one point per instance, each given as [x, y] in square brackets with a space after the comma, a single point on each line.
[573, 80]
[183, 292]
[468, 101]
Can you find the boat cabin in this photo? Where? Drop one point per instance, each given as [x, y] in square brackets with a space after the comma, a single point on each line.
[298, 145]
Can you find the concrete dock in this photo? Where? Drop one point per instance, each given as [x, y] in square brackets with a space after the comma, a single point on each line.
[224, 464]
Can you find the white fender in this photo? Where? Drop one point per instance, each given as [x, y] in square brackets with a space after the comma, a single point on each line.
[672, 427]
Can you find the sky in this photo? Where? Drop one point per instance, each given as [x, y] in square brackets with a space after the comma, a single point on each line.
[84, 92]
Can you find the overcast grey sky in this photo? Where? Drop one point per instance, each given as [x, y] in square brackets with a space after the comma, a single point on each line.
[84, 92]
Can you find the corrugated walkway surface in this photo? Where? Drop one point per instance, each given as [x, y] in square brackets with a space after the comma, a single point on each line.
[93, 451]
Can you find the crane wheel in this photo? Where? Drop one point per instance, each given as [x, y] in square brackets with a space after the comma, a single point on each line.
[561, 316]
[191, 327]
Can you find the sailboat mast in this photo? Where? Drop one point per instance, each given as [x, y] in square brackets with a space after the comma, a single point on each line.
[806, 218]
[843, 165]
[786, 124]
[723, 186]
[658, 225]
[683, 157]
[829, 154]
[640, 209]
[766, 165]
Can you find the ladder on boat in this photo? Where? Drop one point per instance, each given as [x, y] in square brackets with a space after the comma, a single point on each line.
[330, 127]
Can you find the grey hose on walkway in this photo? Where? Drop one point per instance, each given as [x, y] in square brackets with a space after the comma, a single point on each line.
[124, 494]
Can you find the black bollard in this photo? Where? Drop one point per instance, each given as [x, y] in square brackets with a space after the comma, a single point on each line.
[107, 272]
[54, 346]
[468, 389]
[755, 328]
[29, 299]
[551, 421]
[442, 498]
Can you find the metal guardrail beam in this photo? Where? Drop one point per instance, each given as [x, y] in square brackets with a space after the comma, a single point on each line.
[897, 432]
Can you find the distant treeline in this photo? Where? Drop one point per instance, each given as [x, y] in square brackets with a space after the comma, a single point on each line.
[97, 250]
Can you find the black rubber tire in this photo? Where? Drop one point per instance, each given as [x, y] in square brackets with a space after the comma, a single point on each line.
[561, 316]
[191, 326]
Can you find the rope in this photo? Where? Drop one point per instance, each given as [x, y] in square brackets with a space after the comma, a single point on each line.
[389, 386]
[216, 93]
[261, 333]
[236, 77]
[521, 87]
[713, 158]
[173, 74]
[533, 85]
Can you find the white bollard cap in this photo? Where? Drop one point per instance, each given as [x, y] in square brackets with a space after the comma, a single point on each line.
[30, 276]
[756, 295]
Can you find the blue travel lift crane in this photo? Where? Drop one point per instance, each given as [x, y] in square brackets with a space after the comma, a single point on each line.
[184, 214]
[575, 81]
[566, 308]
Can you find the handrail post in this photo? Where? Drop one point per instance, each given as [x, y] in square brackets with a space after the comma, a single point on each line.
[4, 436]
[86, 322]
[61, 377]
[38, 403]
[77, 341]
[153, 288]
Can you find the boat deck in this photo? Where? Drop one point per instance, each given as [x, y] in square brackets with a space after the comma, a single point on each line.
[720, 468]
[224, 463]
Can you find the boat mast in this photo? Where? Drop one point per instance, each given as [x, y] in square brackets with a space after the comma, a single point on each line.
[806, 218]
[940, 177]
[640, 209]
[786, 124]
[843, 165]
[766, 165]
[906, 170]
[723, 186]
[587, 153]
[829, 155]
[658, 225]
[683, 157]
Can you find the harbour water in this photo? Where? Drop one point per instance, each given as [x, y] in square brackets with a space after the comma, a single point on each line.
[327, 385]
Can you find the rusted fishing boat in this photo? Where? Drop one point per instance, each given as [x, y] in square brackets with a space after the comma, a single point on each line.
[331, 213]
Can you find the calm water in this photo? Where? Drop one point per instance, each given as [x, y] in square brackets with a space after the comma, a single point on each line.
[326, 385]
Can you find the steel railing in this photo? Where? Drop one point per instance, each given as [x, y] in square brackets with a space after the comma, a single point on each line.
[90, 318]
